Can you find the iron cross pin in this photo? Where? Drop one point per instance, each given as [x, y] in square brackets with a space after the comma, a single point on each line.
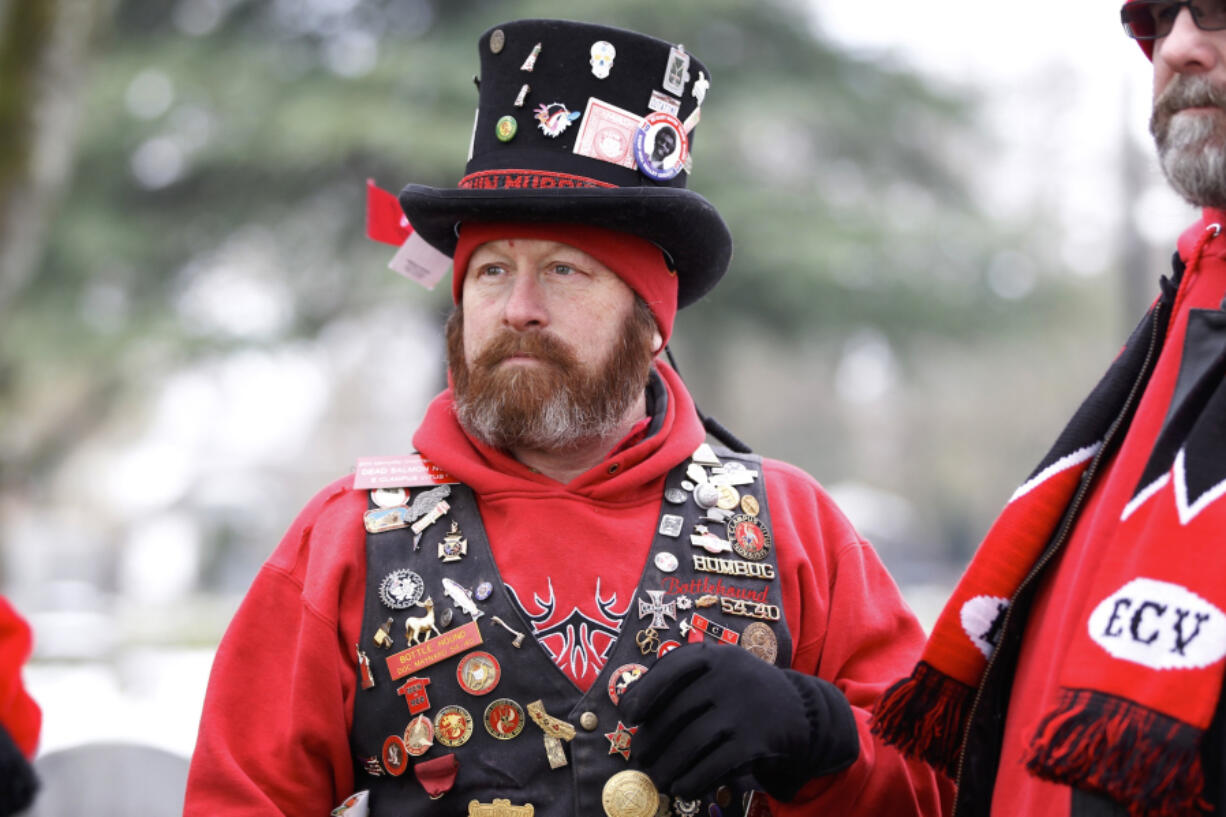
[658, 609]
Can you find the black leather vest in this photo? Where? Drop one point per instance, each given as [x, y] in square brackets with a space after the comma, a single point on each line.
[742, 595]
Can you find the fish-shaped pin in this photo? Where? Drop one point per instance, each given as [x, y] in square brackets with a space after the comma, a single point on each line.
[462, 598]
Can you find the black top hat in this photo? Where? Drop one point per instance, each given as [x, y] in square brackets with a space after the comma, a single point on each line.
[582, 123]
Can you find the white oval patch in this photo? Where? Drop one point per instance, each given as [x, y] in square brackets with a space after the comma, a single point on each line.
[980, 620]
[1159, 625]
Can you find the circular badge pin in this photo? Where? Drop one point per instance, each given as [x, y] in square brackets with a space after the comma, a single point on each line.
[661, 146]
[498, 39]
[629, 793]
[389, 497]
[506, 128]
[504, 719]
[749, 504]
[395, 756]
[750, 538]
[706, 495]
[478, 673]
[666, 562]
[453, 726]
[419, 736]
[622, 678]
[483, 591]
[667, 647]
[729, 498]
[401, 589]
[674, 496]
[760, 640]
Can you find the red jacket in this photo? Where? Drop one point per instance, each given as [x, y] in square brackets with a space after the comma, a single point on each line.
[1058, 614]
[274, 733]
[19, 714]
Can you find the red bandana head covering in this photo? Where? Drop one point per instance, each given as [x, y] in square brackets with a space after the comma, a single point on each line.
[636, 260]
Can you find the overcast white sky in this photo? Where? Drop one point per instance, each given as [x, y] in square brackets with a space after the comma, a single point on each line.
[1064, 88]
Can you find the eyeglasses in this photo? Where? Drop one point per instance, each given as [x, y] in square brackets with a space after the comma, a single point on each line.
[1152, 19]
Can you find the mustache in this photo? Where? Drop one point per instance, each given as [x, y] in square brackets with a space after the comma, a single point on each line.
[1188, 91]
[539, 345]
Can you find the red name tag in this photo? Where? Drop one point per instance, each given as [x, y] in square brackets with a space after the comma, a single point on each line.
[452, 642]
[410, 471]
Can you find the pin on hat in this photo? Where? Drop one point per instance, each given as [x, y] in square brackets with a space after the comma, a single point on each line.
[578, 165]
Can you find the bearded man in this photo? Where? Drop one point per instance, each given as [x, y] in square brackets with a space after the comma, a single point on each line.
[1078, 668]
[630, 620]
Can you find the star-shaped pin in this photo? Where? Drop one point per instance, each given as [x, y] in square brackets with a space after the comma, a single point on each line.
[619, 741]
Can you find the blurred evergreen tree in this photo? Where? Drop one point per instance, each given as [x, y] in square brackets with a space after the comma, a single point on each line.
[233, 137]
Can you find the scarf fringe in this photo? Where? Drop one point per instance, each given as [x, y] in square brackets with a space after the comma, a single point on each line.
[924, 715]
[1148, 762]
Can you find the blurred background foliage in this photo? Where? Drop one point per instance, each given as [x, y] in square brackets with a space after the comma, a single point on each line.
[195, 334]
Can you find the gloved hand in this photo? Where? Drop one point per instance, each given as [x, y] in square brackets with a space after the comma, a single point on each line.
[706, 712]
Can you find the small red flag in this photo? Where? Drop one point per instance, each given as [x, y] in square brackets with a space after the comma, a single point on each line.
[385, 220]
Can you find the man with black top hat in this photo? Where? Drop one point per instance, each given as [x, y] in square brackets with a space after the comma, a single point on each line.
[565, 601]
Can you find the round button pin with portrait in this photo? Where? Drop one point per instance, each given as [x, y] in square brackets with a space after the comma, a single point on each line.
[661, 146]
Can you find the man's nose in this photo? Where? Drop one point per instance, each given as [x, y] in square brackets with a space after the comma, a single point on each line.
[1187, 49]
[525, 305]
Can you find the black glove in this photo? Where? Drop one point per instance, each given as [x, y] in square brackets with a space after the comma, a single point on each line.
[706, 712]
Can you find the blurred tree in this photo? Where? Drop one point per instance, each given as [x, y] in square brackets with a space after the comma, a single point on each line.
[217, 206]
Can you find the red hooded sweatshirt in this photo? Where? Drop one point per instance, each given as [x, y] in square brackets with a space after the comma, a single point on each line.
[274, 735]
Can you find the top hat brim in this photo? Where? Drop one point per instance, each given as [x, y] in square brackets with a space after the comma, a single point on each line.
[681, 222]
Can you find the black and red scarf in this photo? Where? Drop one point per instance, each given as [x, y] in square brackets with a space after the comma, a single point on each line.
[1141, 679]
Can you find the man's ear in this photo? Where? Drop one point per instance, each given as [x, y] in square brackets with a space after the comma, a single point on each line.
[657, 341]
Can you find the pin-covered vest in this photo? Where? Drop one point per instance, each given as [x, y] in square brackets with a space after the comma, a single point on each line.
[460, 710]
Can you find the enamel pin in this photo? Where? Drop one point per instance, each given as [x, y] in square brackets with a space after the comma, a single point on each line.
[419, 736]
[603, 54]
[453, 726]
[619, 740]
[504, 719]
[401, 589]
[750, 538]
[677, 72]
[454, 546]
[368, 679]
[383, 635]
[414, 692]
[530, 63]
[554, 118]
[461, 598]
[622, 678]
[478, 673]
[395, 755]
[658, 609]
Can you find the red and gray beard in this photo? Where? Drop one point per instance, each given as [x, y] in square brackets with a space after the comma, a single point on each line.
[556, 403]
[1192, 146]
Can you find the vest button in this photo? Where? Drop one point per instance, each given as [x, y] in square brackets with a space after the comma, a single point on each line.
[589, 721]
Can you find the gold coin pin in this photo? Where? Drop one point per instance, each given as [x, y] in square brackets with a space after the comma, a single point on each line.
[630, 794]
[749, 504]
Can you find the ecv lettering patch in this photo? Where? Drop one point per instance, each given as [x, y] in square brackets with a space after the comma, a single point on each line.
[982, 618]
[1159, 625]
